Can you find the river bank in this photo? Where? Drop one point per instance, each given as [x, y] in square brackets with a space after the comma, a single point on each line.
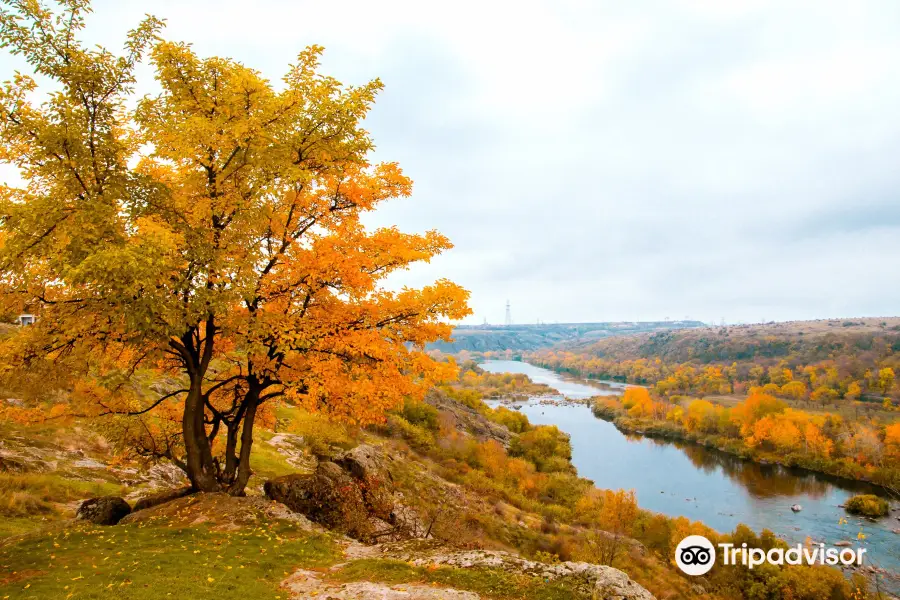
[679, 478]
[726, 446]
[885, 479]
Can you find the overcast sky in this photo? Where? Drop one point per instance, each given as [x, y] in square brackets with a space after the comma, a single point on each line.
[598, 161]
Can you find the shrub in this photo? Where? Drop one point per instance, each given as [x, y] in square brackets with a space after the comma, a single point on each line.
[420, 414]
[543, 446]
[513, 420]
[419, 438]
[868, 505]
[320, 433]
[564, 489]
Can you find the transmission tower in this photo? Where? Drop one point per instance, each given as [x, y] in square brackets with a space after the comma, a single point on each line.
[508, 314]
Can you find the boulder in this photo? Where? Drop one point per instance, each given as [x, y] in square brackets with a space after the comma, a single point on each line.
[368, 465]
[165, 474]
[106, 510]
[330, 496]
[365, 462]
[353, 494]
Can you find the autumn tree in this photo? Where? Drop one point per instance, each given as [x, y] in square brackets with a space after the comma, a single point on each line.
[614, 512]
[885, 380]
[892, 442]
[210, 233]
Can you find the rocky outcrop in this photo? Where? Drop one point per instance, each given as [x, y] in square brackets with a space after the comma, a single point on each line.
[309, 585]
[12, 465]
[353, 494]
[585, 580]
[368, 465]
[467, 419]
[293, 448]
[329, 496]
[601, 580]
[106, 510]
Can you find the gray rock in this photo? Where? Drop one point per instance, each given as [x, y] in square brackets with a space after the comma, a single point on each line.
[468, 419]
[603, 581]
[330, 496]
[368, 465]
[106, 510]
[595, 581]
[365, 462]
[165, 474]
[308, 585]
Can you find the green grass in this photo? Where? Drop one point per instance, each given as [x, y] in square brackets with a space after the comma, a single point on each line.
[153, 561]
[489, 583]
[267, 462]
[34, 494]
[10, 526]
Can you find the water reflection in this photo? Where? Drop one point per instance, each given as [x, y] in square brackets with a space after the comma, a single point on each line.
[762, 481]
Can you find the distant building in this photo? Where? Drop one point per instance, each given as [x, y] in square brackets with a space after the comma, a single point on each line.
[25, 319]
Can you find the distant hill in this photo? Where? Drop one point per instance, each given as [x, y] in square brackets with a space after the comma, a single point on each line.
[494, 338]
[804, 341]
[832, 364]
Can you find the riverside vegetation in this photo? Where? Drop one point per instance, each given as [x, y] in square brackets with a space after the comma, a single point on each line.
[819, 394]
[765, 428]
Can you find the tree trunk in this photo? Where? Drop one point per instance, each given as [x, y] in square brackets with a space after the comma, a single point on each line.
[243, 471]
[231, 460]
[198, 453]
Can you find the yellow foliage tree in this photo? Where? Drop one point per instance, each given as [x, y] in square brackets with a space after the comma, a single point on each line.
[886, 380]
[616, 513]
[892, 442]
[212, 234]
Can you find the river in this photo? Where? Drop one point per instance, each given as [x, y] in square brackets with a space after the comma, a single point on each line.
[682, 479]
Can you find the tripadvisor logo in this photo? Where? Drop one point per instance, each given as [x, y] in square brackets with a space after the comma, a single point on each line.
[696, 555]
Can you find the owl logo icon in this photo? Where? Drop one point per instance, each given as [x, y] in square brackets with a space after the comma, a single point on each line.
[695, 555]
